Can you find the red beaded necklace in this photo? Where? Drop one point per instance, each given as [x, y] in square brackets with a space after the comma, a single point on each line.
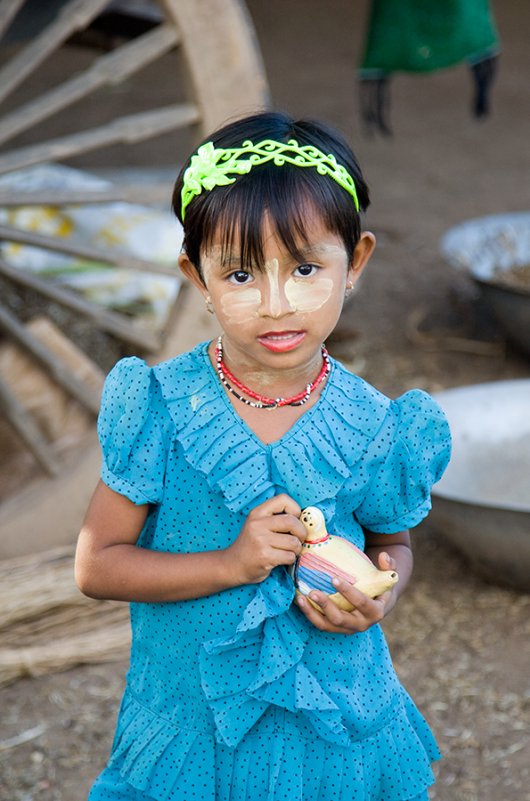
[261, 401]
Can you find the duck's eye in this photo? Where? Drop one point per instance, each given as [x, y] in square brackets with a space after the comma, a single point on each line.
[240, 277]
[305, 270]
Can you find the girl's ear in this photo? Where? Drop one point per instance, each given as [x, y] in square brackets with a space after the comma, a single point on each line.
[191, 272]
[361, 255]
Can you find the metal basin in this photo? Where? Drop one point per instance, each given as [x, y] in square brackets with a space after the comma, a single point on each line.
[482, 503]
[488, 249]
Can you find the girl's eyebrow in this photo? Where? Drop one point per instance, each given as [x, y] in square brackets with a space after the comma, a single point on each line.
[224, 257]
[316, 249]
[232, 264]
[230, 261]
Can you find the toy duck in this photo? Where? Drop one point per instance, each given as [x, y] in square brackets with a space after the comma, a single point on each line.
[326, 555]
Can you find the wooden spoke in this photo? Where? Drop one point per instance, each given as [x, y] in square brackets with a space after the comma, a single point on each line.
[64, 377]
[156, 193]
[73, 17]
[23, 424]
[114, 323]
[226, 69]
[109, 69]
[90, 253]
[8, 9]
[130, 129]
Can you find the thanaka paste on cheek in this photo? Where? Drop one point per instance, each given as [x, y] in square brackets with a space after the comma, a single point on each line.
[239, 305]
[308, 294]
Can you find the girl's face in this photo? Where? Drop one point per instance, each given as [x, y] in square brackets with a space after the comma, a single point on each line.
[278, 316]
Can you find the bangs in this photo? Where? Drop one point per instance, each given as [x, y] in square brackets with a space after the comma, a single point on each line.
[291, 196]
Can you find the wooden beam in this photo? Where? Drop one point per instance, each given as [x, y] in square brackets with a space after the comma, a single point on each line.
[112, 322]
[156, 194]
[54, 366]
[9, 233]
[130, 129]
[8, 9]
[109, 69]
[26, 429]
[74, 16]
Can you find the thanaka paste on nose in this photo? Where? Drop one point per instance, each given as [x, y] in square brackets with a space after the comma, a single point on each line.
[272, 270]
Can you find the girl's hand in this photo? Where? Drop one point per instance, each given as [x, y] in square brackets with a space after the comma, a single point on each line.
[366, 612]
[272, 535]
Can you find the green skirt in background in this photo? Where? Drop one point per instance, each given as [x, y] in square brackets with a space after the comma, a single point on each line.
[423, 36]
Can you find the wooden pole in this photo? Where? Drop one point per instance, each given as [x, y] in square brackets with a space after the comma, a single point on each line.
[112, 322]
[11, 234]
[28, 432]
[8, 9]
[61, 374]
[72, 17]
[131, 128]
[155, 194]
[108, 69]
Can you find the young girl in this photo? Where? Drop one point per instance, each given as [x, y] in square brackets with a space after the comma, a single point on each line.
[237, 690]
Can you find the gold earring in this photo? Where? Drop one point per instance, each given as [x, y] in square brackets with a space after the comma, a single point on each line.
[349, 289]
[209, 305]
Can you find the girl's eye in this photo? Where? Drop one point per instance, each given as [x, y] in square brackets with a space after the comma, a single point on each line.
[306, 270]
[240, 277]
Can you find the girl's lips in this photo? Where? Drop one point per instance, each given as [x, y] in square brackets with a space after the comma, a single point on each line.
[281, 341]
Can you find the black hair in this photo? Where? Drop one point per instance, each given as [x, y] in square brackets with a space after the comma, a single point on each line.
[284, 192]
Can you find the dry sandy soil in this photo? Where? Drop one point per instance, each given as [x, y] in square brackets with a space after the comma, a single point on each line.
[460, 645]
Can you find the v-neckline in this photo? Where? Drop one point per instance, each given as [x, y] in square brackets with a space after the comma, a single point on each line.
[304, 418]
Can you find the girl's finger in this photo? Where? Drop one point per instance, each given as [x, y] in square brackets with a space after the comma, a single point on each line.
[286, 558]
[330, 610]
[321, 621]
[386, 562]
[357, 598]
[288, 524]
[285, 542]
[280, 504]
[366, 611]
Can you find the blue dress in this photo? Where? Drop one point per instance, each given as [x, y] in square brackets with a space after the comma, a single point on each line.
[236, 696]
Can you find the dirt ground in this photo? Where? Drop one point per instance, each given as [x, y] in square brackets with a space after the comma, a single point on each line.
[461, 645]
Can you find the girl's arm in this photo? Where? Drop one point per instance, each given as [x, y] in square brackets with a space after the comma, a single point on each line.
[110, 565]
[387, 552]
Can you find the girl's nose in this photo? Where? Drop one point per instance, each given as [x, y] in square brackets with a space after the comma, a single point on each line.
[274, 301]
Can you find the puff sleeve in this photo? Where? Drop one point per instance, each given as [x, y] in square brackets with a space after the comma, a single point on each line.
[130, 430]
[411, 451]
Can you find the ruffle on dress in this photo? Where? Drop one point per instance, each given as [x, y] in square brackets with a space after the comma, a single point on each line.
[148, 749]
[170, 764]
[311, 462]
[387, 454]
[262, 664]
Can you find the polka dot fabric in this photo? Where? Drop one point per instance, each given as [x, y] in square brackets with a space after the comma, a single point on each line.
[236, 696]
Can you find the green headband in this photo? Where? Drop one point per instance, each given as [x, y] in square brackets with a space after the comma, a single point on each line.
[211, 166]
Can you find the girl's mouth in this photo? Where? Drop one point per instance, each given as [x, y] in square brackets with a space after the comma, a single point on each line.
[281, 341]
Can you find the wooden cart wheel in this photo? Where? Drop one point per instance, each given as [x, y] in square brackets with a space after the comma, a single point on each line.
[214, 72]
